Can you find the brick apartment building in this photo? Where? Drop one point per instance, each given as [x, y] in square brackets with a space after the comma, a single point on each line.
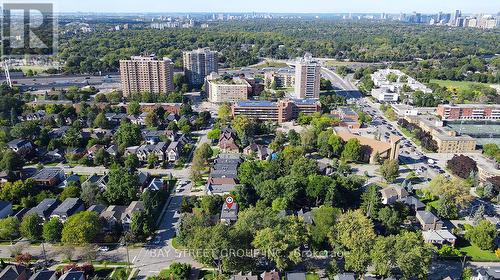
[469, 112]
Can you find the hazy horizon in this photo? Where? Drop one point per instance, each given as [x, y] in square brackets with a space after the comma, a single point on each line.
[276, 6]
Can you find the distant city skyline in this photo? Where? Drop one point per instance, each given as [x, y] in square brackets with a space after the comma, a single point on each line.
[278, 6]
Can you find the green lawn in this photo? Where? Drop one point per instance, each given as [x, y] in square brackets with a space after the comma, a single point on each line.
[312, 276]
[459, 85]
[335, 63]
[479, 255]
[270, 64]
[38, 69]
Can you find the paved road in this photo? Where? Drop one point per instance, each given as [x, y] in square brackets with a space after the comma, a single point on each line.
[337, 81]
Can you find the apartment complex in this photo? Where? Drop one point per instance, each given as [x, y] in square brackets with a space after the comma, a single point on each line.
[307, 78]
[221, 90]
[469, 112]
[281, 111]
[389, 83]
[283, 78]
[448, 140]
[200, 63]
[146, 74]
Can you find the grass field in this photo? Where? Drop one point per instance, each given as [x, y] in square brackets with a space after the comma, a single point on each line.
[312, 276]
[479, 255]
[458, 85]
[270, 64]
[335, 63]
[38, 69]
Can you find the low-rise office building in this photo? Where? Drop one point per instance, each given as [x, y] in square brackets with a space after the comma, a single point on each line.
[281, 111]
[469, 112]
[448, 140]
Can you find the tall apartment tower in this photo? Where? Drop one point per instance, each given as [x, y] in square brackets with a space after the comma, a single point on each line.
[307, 78]
[198, 64]
[146, 74]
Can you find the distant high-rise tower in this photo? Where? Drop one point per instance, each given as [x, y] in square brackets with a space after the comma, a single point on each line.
[146, 74]
[200, 63]
[307, 78]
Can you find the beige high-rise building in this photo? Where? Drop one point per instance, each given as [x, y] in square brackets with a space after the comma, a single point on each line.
[198, 64]
[146, 74]
[307, 78]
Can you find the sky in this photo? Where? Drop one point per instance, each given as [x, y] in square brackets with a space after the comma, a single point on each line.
[279, 6]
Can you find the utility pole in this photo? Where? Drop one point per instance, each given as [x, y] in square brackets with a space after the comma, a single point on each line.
[44, 253]
[128, 256]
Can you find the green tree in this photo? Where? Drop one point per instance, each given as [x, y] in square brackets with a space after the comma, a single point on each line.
[214, 134]
[81, 228]
[483, 235]
[31, 227]
[308, 139]
[293, 137]
[324, 148]
[389, 218]
[352, 150]
[133, 108]
[324, 219]
[224, 113]
[52, 230]
[11, 161]
[9, 228]
[141, 225]
[337, 144]
[71, 191]
[354, 232]
[122, 187]
[284, 240]
[132, 162]
[89, 194]
[101, 121]
[371, 201]
[390, 170]
[127, 135]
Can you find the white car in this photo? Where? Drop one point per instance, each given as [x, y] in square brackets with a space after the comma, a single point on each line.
[103, 248]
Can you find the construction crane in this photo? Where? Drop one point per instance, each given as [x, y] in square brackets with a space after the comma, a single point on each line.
[7, 73]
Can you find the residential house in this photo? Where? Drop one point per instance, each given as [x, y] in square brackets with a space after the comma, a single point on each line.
[55, 155]
[172, 118]
[73, 274]
[112, 150]
[111, 217]
[70, 179]
[220, 186]
[44, 275]
[20, 214]
[429, 221]
[173, 151]
[68, 207]
[487, 273]
[77, 152]
[305, 215]
[58, 132]
[439, 237]
[100, 181]
[15, 272]
[227, 141]
[260, 151]
[21, 146]
[229, 215]
[143, 179]
[296, 276]
[93, 150]
[244, 277]
[152, 137]
[5, 209]
[155, 185]
[126, 218]
[392, 194]
[45, 208]
[413, 202]
[49, 177]
[36, 116]
[271, 275]
[345, 276]
[98, 208]
[158, 150]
